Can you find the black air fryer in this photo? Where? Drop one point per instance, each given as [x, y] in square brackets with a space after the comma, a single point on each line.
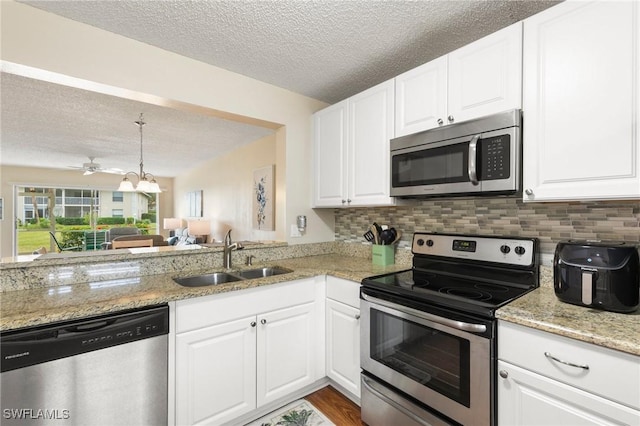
[597, 274]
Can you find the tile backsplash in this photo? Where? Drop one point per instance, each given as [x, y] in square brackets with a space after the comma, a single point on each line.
[550, 222]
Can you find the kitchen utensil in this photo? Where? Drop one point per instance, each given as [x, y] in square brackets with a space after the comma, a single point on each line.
[369, 236]
[376, 234]
[386, 237]
[397, 238]
[379, 231]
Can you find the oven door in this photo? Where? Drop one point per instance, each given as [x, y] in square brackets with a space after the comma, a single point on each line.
[440, 362]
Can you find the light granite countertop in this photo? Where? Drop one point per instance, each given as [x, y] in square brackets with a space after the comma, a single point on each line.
[542, 310]
[26, 308]
[538, 309]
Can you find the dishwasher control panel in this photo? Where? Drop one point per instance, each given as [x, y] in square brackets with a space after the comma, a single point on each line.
[25, 347]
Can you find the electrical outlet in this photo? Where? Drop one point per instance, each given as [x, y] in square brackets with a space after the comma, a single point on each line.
[295, 233]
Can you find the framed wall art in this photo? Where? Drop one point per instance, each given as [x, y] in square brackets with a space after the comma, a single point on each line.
[194, 204]
[263, 199]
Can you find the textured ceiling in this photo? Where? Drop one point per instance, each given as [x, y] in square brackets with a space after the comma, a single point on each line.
[325, 49]
[50, 125]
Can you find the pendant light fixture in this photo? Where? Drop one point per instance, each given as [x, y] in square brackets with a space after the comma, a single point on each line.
[146, 181]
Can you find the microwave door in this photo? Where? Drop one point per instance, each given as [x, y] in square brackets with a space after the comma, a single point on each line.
[433, 169]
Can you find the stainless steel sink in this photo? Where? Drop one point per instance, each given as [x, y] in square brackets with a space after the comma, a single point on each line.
[208, 279]
[224, 277]
[262, 272]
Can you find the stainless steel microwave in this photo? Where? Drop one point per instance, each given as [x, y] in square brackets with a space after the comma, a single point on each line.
[481, 157]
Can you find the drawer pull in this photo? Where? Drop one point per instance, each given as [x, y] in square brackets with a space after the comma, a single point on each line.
[548, 355]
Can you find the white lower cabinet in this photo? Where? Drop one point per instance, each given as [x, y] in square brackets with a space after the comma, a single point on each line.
[238, 351]
[546, 379]
[216, 373]
[343, 334]
[286, 350]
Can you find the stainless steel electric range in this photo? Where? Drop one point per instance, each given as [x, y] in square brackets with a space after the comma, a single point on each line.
[428, 334]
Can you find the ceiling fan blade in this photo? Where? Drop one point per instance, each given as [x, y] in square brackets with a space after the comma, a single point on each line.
[112, 171]
[88, 172]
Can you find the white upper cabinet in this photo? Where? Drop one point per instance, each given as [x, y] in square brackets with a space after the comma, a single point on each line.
[482, 78]
[581, 91]
[485, 77]
[421, 97]
[330, 155]
[351, 150]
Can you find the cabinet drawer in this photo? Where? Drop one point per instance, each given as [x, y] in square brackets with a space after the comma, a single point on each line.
[345, 291]
[611, 374]
[204, 311]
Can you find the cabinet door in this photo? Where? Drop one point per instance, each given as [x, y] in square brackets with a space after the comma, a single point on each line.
[286, 351]
[485, 77]
[526, 398]
[330, 150]
[580, 132]
[370, 129]
[421, 98]
[215, 373]
[343, 345]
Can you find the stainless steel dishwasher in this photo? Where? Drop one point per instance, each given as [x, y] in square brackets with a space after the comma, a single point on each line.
[104, 370]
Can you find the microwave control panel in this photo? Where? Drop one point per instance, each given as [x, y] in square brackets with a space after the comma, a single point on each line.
[494, 157]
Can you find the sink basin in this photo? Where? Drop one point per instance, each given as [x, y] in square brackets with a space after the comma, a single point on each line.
[208, 279]
[262, 272]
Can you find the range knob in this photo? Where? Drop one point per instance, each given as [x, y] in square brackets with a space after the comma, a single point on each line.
[505, 249]
[430, 243]
[519, 250]
[420, 242]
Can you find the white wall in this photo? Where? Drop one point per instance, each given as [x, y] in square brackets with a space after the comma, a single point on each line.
[51, 43]
[227, 185]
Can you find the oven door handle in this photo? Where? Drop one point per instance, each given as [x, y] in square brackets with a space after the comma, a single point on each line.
[391, 402]
[459, 325]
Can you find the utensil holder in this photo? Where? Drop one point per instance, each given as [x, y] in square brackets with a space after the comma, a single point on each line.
[382, 255]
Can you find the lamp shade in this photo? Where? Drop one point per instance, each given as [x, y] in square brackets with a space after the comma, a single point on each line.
[199, 227]
[171, 223]
[126, 186]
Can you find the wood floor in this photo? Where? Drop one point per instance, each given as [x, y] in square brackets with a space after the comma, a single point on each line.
[337, 407]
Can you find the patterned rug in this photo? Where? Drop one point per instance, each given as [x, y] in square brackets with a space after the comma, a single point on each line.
[298, 413]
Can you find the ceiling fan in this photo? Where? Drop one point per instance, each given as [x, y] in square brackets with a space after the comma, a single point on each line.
[91, 168]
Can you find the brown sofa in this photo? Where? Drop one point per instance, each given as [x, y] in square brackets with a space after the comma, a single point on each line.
[158, 240]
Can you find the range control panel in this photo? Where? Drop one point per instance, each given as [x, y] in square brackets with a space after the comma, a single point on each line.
[511, 251]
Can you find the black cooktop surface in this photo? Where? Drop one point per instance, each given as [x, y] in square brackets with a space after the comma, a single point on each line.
[480, 295]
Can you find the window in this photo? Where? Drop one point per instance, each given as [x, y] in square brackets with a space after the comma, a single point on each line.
[76, 211]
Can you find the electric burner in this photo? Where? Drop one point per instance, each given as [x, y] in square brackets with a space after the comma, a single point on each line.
[467, 273]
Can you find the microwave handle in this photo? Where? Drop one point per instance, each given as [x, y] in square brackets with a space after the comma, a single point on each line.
[473, 156]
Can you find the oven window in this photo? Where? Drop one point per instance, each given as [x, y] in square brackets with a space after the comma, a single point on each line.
[431, 357]
[446, 164]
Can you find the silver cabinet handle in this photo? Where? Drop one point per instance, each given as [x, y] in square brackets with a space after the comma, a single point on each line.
[570, 364]
[450, 118]
[440, 121]
[528, 191]
[459, 325]
[348, 200]
[344, 201]
[473, 156]
[357, 316]
[394, 404]
[504, 374]
[253, 323]
[263, 321]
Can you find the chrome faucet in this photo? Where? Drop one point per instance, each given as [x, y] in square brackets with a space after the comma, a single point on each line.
[228, 246]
